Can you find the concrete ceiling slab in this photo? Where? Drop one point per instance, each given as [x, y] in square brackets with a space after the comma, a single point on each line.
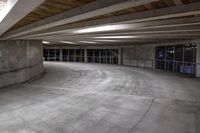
[14, 11]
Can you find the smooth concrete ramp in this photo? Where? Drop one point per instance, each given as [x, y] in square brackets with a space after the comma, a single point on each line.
[94, 98]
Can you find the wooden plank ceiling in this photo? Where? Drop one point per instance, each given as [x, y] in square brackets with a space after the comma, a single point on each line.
[53, 7]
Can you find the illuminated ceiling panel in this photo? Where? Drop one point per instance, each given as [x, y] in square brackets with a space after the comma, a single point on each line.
[2, 4]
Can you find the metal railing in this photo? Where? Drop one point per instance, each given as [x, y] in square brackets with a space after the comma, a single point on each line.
[74, 58]
[147, 63]
[177, 66]
[51, 58]
[103, 60]
[90, 59]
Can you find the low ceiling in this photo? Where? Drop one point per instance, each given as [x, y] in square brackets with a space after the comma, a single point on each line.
[48, 9]
[117, 22]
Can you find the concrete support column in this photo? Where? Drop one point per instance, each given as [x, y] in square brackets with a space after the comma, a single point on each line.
[154, 57]
[20, 60]
[119, 56]
[85, 55]
[61, 54]
[198, 61]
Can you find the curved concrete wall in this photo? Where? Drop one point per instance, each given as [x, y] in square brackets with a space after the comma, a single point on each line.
[20, 61]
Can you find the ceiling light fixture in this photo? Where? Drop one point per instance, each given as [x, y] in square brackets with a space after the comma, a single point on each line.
[45, 42]
[115, 37]
[103, 28]
[2, 4]
[7, 5]
[106, 40]
[67, 42]
[87, 42]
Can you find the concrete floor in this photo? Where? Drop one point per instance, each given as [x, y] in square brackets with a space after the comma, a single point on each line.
[94, 98]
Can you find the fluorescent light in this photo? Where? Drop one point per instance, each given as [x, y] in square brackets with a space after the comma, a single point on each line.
[87, 42]
[45, 42]
[107, 40]
[2, 4]
[67, 42]
[6, 9]
[115, 37]
[103, 28]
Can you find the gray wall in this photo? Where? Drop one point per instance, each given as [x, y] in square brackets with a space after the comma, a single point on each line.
[20, 61]
[139, 56]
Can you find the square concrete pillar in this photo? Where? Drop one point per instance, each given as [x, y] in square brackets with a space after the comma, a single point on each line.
[85, 55]
[154, 57]
[198, 61]
[61, 54]
[119, 56]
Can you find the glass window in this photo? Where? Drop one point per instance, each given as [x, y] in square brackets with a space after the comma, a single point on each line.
[177, 58]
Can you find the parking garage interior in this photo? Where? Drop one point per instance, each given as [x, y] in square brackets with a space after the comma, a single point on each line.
[99, 66]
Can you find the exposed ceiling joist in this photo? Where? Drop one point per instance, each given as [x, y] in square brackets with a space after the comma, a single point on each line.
[168, 2]
[141, 25]
[14, 11]
[89, 10]
[142, 30]
[177, 2]
[172, 30]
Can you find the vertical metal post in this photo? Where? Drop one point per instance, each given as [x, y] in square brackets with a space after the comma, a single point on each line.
[106, 56]
[194, 58]
[93, 60]
[48, 55]
[68, 55]
[110, 56]
[99, 56]
[165, 62]
[183, 58]
[174, 59]
[55, 54]
[74, 55]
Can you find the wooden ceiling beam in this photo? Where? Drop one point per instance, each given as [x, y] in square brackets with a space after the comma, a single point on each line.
[58, 5]
[161, 24]
[169, 3]
[149, 6]
[177, 2]
[18, 10]
[171, 12]
[89, 10]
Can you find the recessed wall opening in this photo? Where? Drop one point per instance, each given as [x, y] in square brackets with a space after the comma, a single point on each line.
[51, 54]
[73, 55]
[177, 58]
[106, 56]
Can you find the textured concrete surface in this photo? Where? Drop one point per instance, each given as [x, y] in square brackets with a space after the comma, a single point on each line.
[94, 98]
[20, 61]
[198, 61]
[139, 56]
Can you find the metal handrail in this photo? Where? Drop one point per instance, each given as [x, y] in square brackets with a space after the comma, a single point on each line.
[177, 66]
[129, 62]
